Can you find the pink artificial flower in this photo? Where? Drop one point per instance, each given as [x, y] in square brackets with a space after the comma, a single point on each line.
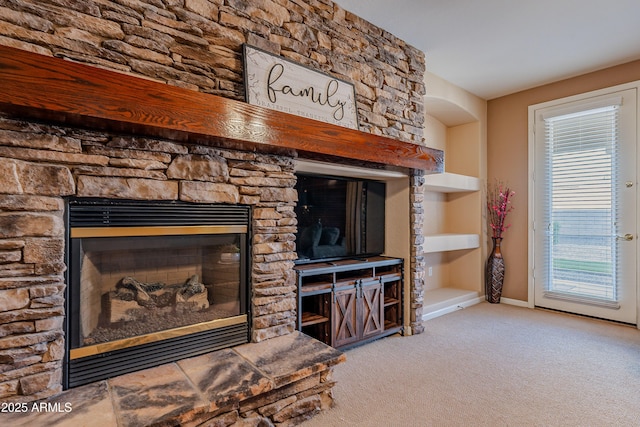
[498, 206]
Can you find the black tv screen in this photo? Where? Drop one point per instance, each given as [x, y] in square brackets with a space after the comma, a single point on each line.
[339, 217]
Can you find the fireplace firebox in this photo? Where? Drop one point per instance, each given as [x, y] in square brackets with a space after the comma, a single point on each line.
[152, 282]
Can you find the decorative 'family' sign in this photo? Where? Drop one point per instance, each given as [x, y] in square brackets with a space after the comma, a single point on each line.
[279, 84]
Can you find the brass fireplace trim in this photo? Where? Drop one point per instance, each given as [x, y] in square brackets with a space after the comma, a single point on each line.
[92, 350]
[85, 232]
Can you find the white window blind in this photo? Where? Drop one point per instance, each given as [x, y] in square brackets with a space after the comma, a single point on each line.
[581, 207]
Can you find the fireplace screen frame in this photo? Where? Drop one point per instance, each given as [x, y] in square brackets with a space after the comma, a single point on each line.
[111, 217]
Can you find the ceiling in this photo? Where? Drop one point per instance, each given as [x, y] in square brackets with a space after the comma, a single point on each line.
[493, 48]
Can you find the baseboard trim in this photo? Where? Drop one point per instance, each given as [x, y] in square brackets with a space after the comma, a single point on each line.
[515, 302]
[452, 308]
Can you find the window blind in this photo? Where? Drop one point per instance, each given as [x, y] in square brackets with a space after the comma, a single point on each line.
[581, 208]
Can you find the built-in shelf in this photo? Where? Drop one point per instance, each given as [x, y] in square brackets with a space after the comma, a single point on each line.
[450, 242]
[454, 199]
[451, 183]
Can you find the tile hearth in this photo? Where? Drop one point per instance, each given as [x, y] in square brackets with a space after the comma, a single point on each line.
[286, 379]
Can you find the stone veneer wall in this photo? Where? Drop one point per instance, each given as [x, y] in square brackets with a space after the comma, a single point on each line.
[40, 164]
[194, 44]
[197, 44]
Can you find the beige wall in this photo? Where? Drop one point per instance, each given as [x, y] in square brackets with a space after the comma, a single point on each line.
[507, 158]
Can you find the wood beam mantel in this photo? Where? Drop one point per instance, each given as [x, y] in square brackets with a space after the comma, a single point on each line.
[64, 92]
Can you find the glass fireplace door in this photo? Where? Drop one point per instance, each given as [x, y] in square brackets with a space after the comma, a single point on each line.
[138, 289]
[151, 283]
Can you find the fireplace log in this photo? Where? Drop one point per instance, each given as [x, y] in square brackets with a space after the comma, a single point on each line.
[192, 294]
[135, 300]
[141, 290]
[118, 310]
[194, 302]
[191, 287]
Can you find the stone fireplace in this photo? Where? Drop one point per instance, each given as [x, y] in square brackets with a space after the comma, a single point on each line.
[49, 162]
[150, 283]
[74, 132]
[82, 166]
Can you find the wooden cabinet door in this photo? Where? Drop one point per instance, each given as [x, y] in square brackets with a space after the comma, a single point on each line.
[371, 309]
[345, 316]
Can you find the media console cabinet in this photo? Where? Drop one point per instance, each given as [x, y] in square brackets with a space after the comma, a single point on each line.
[351, 301]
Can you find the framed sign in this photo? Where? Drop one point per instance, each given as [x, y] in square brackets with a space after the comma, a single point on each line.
[280, 84]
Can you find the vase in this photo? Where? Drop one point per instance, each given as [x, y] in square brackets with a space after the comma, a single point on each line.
[494, 277]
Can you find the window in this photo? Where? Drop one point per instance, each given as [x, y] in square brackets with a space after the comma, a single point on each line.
[581, 208]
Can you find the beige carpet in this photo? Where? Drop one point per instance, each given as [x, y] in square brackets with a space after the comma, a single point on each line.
[493, 365]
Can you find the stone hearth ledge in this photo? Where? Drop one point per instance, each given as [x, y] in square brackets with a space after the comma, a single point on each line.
[279, 379]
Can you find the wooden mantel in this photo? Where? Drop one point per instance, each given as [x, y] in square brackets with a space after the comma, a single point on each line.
[63, 92]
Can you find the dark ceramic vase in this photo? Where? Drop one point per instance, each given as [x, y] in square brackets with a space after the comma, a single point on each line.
[494, 277]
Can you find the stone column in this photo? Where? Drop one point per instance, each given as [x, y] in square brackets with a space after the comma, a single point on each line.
[417, 263]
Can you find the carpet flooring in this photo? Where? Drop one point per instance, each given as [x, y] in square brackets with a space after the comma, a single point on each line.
[493, 365]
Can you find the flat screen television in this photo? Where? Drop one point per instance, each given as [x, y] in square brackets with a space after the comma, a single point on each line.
[339, 218]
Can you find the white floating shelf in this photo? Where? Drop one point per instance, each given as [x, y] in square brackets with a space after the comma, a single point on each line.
[451, 183]
[450, 242]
